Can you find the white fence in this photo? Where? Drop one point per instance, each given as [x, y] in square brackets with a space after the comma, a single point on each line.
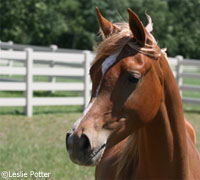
[63, 63]
[186, 69]
[68, 64]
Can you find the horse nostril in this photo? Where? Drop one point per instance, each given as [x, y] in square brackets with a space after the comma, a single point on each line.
[67, 140]
[84, 143]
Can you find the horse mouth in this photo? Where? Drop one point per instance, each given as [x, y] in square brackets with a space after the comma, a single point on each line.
[96, 156]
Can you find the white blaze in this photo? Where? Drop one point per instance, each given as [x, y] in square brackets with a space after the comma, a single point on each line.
[76, 124]
[109, 61]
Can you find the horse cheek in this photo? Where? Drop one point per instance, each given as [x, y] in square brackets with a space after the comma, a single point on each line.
[148, 101]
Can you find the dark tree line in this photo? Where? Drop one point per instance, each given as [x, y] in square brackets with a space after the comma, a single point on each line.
[73, 24]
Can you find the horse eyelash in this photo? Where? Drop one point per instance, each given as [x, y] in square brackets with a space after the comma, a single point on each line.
[133, 77]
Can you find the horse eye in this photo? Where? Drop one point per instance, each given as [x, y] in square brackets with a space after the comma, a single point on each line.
[133, 79]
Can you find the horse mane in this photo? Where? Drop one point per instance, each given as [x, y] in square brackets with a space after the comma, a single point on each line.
[116, 41]
[129, 156]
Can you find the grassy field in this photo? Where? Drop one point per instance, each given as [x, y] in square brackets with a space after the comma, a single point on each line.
[38, 144]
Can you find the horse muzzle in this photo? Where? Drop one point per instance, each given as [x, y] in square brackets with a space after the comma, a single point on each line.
[81, 151]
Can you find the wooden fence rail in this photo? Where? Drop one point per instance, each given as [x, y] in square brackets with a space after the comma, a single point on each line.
[68, 64]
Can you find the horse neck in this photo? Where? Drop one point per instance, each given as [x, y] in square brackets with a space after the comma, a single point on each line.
[162, 143]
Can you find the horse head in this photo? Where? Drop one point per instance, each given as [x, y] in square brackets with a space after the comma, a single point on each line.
[127, 89]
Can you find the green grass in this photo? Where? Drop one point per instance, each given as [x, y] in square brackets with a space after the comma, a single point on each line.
[191, 81]
[41, 110]
[191, 94]
[42, 78]
[41, 94]
[194, 82]
[38, 144]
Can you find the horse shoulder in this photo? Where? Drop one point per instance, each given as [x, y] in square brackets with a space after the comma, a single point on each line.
[194, 156]
[190, 131]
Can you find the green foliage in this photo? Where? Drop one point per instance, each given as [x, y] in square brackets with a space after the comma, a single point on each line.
[186, 26]
[73, 24]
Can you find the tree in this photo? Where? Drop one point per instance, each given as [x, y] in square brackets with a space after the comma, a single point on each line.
[186, 27]
[31, 22]
[73, 24]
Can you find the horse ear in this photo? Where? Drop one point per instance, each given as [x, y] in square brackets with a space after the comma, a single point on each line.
[107, 27]
[137, 27]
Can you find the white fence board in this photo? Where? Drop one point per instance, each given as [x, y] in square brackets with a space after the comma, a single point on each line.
[42, 101]
[190, 100]
[12, 102]
[12, 70]
[14, 55]
[190, 88]
[57, 101]
[190, 62]
[70, 57]
[75, 72]
[58, 72]
[58, 86]
[190, 75]
[41, 86]
[12, 86]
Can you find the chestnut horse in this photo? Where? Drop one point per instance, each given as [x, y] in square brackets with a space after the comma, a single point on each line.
[133, 127]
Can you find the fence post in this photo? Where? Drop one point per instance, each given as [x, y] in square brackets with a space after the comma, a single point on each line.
[29, 81]
[52, 64]
[179, 70]
[10, 62]
[87, 61]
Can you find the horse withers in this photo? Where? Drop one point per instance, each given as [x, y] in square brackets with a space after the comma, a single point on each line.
[133, 126]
